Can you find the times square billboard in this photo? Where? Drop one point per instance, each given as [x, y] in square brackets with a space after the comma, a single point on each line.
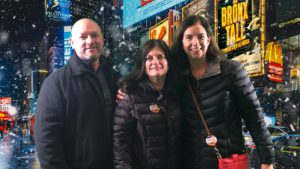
[239, 31]
[135, 11]
[282, 19]
[282, 23]
[238, 25]
[58, 10]
[232, 19]
[67, 44]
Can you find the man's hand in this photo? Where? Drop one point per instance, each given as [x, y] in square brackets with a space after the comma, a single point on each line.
[120, 95]
[266, 166]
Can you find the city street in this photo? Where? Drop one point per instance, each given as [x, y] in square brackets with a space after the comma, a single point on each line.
[16, 153]
[261, 38]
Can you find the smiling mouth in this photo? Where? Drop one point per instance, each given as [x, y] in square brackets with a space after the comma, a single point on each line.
[155, 67]
[196, 49]
[91, 48]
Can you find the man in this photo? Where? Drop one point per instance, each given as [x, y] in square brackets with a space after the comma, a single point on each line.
[73, 117]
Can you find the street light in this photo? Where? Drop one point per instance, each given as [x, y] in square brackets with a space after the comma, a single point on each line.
[12, 110]
[31, 94]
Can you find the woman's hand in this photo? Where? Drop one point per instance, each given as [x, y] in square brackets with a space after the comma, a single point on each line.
[266, 166]
[120, 95]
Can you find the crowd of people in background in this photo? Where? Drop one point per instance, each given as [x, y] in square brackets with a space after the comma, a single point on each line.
[20, 127]
[5, 127]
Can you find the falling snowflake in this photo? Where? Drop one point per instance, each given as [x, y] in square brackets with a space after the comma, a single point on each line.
[102, 8]
[4, 36]
[121, 44]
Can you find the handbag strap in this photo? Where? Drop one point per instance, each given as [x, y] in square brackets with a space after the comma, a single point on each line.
[199, 110]
[202, 118]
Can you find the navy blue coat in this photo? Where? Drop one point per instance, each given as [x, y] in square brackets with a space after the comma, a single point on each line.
[73, 129]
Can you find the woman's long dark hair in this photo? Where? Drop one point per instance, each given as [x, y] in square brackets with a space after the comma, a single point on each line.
[138, 74]
[180, 57]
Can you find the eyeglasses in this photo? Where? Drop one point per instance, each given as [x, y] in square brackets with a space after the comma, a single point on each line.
[150, 58]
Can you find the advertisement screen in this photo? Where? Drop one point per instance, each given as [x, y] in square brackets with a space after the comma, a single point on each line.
[67, 44]
[274, 60]
[251, 64]
[58, 10]
[160, 31]
[238, 32]
[202, 8]
[5, 103]
[282, 21]
[174, 22]
[233, 19]
[58, 60]
[137, 10]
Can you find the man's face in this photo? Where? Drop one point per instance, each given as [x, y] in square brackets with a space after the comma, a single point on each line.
[87, 40]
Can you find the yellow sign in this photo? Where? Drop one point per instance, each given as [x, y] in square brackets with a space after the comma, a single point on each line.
[233, 20]
[160, 31]
[238, 31]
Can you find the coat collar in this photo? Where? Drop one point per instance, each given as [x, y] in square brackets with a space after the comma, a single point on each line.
[77, 66]
[213, 69]
[149, 88]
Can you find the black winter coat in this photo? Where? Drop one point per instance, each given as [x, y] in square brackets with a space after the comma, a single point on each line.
[144, 139]
[226, 96]
[72, 128]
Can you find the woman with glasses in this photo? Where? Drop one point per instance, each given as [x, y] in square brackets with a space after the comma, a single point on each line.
[147, 122]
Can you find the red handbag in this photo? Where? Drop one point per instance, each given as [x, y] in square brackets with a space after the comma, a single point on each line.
[235, 161]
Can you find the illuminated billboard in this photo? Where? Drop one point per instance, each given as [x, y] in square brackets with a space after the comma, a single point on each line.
[5, 103]
[202, 8]
[174, 22]
[274, 60]
[233, 17]
[282, 19]
[67, 44]
[239, 32]
[160, 31]
[58, 10]
[137, 10]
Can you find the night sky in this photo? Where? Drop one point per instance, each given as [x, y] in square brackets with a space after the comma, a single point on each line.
[22, 27]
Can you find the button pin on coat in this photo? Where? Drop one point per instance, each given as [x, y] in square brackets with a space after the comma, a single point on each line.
[154, 108]
[211, 140]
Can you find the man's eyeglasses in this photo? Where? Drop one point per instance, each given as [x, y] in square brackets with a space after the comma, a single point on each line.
[150, 58]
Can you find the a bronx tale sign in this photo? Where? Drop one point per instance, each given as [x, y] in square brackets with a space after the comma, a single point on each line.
[233, 17]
